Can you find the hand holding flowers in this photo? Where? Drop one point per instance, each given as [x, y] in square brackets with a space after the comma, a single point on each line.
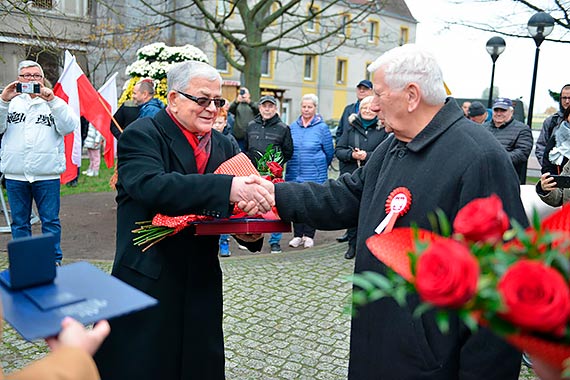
[518, 288]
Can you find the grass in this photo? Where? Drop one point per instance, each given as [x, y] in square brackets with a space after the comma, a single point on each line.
[86, 184]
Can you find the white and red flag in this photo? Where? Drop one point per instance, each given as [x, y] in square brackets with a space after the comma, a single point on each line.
[74, 87]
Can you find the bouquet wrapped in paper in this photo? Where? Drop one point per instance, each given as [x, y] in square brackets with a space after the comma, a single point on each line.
[515, 282]
[161, 226]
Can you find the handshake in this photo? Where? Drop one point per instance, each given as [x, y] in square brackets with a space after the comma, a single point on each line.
[254, 195]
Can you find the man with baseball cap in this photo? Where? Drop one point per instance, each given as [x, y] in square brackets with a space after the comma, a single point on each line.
[265, 129]
[514, 136]
[363, 89]
[477, 112]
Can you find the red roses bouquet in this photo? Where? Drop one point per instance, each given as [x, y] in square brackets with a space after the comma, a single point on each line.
[515, 282]
[269, 165]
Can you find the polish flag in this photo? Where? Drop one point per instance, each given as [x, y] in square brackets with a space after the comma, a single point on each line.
[109, 92]
[74, 87]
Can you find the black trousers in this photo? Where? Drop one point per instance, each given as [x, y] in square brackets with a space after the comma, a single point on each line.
[302, 229]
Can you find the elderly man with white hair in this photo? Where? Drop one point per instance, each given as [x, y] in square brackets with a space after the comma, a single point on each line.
[440, 161]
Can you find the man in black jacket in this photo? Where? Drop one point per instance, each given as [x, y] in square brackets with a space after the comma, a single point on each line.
[514, 136]
[165, 166]
[268, 129]
[444, 162]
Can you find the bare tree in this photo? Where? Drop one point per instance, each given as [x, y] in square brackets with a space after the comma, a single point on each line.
[253, 28]
[521, 11]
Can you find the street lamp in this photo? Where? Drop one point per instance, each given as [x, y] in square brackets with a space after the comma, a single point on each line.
[539, 27]
[495, 46]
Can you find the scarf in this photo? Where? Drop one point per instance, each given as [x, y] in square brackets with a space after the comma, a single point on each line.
[562, 148]
[201, 144]
[367, 123]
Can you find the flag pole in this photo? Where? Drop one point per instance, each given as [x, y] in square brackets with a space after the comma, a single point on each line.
[110, 114]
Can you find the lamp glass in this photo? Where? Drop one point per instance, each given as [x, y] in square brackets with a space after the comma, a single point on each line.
[540, 23]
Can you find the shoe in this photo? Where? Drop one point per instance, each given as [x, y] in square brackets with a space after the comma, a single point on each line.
[225, 250]
[72, 183]
[343, 238]
[92, 174]
[308, 242]
[350, 253]
[87, 172]
[296, 242]
[242, 247]
[276, 248]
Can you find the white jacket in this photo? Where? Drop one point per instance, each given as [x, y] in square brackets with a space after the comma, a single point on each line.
[32, 145]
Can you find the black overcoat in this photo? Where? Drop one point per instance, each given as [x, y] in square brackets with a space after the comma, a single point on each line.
[449, 163]
[182, 337]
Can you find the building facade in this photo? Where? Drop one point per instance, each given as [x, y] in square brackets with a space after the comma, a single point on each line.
[43, 29]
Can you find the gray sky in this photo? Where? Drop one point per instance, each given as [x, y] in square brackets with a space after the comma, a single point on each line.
[467, 65]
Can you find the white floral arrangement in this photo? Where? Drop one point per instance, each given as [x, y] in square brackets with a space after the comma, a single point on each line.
[154, 61]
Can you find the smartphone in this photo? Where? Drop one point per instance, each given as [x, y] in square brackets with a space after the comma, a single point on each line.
[28, 88]
[562, 181]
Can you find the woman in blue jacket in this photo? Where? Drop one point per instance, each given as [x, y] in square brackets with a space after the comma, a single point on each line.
[313, 151]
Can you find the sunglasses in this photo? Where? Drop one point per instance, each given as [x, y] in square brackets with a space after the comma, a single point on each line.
[204, 102]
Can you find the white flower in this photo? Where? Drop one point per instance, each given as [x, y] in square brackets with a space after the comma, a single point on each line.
[152, 50]
[138, 68]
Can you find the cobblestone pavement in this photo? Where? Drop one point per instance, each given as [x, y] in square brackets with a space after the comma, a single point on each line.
[283, 317]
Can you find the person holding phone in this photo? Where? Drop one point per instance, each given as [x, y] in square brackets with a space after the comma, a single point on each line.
[33, 155]
[244, 111]
[555, 191]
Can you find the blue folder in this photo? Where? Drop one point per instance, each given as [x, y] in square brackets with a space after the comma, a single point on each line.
[80, 290]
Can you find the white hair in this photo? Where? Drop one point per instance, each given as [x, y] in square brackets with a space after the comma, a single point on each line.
[182, 73]
[312, 97]
[28, 63]
[367, 100]
[412, 64]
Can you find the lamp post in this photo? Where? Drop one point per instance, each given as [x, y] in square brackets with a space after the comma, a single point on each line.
[539, 27]
[495, 46]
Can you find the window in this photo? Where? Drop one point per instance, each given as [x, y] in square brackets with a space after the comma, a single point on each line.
[403, 35]
[266, 64]
[344, 29]
[312, 24]
[221, 61]
[309, 67]
[367, 74]
[341, 71]
[373, 32]
[44, 4]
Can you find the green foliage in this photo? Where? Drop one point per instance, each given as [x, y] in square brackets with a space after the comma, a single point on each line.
[271, 155]
[86, 184]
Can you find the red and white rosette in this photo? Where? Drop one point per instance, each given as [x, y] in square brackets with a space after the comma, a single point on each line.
[397, 204]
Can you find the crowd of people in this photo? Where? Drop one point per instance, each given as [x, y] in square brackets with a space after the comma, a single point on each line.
[401, 133]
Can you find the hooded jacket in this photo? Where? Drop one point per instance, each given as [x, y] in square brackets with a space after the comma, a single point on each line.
[548, 127]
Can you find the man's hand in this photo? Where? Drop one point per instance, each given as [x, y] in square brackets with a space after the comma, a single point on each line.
[46, 94]
[9, 92]
[73, 334]
[547, 182]
[251, 196]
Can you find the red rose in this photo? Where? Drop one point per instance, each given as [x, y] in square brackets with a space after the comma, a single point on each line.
[277, 180]
[275, 169]
[536, 297]
[482, 219]
[447, 274]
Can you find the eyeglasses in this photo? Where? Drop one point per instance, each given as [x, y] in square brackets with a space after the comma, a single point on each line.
[204, 102]
[31, 76]
[565, 97]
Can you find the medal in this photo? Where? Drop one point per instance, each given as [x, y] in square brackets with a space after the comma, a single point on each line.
[397, 204]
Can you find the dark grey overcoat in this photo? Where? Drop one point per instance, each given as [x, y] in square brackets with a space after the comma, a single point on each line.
[449, 163]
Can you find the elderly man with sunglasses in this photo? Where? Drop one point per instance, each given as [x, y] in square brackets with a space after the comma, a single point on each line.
[34, 121]
[165, 165]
